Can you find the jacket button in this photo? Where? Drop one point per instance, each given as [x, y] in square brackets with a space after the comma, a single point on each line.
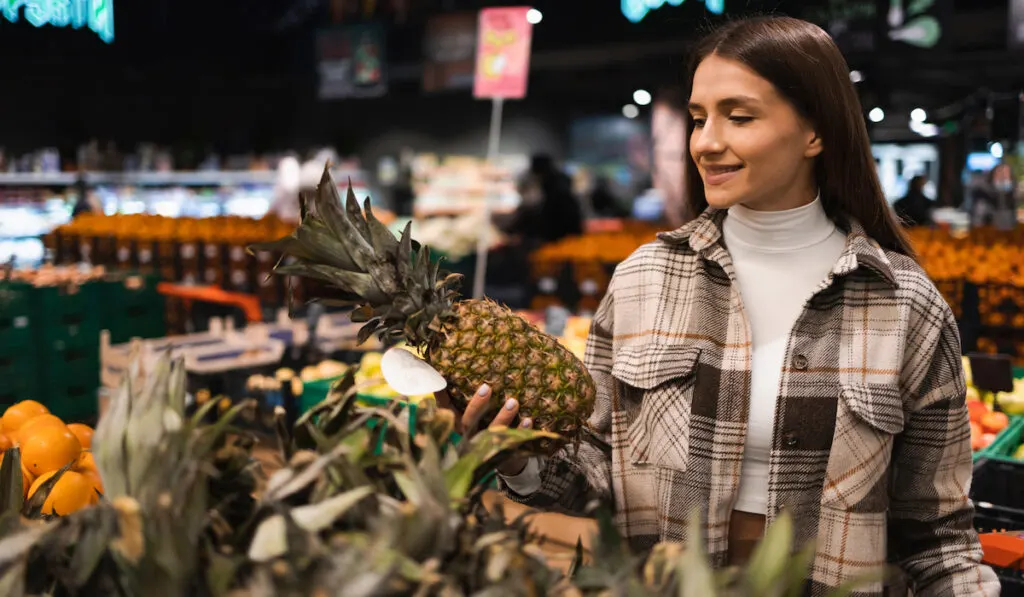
[790, 440]
[800, 362]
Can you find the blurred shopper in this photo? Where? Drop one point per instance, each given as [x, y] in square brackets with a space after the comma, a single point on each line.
[85, 202]
[994, 201]
[549, 210]
[783, 351]
[915, 208]
[285, 202]
[603, 201]
[668, 132]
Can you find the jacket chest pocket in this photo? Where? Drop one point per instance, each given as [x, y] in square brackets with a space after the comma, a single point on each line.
[868, 419]
[656, 386]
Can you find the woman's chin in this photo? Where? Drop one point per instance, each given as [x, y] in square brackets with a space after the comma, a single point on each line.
[720, 200]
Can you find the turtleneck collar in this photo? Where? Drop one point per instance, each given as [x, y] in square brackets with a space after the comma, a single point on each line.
[777, 231]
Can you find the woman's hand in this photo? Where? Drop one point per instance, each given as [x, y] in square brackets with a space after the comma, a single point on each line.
[470, 421]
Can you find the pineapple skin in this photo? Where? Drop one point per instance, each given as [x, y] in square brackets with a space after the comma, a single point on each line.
[487, 343]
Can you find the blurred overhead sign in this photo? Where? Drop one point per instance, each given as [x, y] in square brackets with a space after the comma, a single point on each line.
[97, 15]
[503, 53]
[352, 61]
[636, 10]
[879, 25]
[449, 50]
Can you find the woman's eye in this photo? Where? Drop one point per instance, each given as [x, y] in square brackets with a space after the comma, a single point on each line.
[741, 119]
[698, 123]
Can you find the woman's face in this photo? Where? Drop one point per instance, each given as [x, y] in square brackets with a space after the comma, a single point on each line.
[750, 145]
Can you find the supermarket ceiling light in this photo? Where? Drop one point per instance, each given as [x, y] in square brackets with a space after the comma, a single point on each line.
[642, 97]
[876, 115]
[534, 16]
[636, 10]
[856, 76]
[630, 111]
[996, 149]
[918, 115]
[97, 15]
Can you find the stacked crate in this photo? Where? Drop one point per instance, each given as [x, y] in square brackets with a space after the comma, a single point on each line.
[49, 338]
[19, 375]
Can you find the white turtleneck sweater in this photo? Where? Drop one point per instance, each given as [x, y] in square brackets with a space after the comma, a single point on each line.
[780, 258]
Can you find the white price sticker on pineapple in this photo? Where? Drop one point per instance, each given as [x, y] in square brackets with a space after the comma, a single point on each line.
[409, 375]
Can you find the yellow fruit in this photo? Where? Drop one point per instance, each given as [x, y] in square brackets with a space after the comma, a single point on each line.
[17, 415]
[36, 423]
[83, 433]
[72, 492]
[49, 448]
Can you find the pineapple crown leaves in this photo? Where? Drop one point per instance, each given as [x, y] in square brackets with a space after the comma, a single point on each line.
[12, 490]
[399, 290]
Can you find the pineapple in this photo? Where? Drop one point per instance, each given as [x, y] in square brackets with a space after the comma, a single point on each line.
[400, 294]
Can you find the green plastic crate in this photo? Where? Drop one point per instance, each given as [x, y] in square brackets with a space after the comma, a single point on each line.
[15, 299]
[62, 306]
[1007, 442]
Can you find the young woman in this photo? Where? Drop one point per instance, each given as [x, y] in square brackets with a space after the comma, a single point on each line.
[782, 351]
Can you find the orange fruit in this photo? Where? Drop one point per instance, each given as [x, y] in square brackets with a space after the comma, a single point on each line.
[72, 492]
[5, 442]
[37, 422]
[994, 422]
[83, 433]
[93, 477]
[49, 448]
[26, 477]
[16, 415]
[86, 462]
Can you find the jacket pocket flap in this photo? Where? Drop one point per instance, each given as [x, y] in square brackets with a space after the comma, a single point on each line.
[647, 366]
[878, 405]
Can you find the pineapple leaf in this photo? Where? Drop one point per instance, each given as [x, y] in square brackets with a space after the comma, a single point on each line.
[12, 581]
[798, 570]
[220, 572]
[481, 451]
[12, 493]
[403, 259]
[382, 239]
[694, 573]
[353, 282]
[329, 208]
[768, 562]
[91, 545]
[354, 214]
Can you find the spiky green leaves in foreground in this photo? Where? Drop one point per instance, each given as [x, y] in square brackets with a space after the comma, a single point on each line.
[367, 503]
[400, 293]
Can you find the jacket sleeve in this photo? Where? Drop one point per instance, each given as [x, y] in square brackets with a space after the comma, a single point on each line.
[577, 475]
[931, 532]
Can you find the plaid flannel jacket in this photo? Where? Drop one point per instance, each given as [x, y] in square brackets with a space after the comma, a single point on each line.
[871, 451]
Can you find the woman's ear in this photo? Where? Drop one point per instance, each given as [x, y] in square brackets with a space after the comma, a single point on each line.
[814, 146]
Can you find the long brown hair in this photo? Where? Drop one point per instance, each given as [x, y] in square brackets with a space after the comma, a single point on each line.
[806, 67]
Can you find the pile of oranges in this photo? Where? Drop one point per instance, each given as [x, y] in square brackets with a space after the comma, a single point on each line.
[48, 444]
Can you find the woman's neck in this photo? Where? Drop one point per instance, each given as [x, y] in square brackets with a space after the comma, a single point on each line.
[778, 231]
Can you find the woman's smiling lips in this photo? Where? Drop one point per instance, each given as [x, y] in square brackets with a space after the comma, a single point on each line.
[719, 174]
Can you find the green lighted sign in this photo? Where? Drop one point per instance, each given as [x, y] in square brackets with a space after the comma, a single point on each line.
[636, 10]
[97, 15]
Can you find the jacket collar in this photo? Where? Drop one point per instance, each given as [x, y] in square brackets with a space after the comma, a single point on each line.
[704, 236]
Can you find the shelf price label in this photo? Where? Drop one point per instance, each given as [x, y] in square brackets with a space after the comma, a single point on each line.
[97, 15]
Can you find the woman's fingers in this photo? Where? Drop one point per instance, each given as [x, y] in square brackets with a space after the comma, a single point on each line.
[507, 414]
[476, 408]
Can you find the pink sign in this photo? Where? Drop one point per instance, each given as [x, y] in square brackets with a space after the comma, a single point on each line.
[503, 53]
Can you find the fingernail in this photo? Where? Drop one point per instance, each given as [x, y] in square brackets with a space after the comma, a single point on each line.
[510, 404]
[526, 423]
[484, 390]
